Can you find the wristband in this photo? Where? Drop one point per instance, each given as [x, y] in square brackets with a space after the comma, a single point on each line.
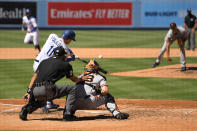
[70, 50]
[29, 91]
[70, 59]
[33, 29]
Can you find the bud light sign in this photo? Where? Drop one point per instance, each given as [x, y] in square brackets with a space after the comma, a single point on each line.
[87, 13]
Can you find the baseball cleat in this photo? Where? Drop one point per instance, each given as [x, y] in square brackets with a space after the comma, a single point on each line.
[23, 114]
[183, 68]
[69, 117]
[54, 106]
[51, 105]
[155, 64]
[45, 109]
[122, 116]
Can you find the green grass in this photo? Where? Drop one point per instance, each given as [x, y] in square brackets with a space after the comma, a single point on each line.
[16, 74]
[93, 38]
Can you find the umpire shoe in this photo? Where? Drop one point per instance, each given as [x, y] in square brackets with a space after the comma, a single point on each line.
[122, 116]
[183, 68]
[69, 117]
[155, 64]
[23, 114]
[51, 105]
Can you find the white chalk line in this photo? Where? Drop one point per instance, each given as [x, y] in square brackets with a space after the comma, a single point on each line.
[95, 112]
[12, 109]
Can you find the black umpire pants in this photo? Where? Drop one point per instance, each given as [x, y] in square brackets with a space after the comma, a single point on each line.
[47, 91]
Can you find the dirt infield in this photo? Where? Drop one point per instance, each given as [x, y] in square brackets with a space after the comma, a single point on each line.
[172, 71]
[30, 53]
[145, 115]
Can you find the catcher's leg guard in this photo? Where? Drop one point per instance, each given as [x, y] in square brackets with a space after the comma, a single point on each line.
[111, 105]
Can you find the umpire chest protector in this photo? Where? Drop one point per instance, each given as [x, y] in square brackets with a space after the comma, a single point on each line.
[52, 70]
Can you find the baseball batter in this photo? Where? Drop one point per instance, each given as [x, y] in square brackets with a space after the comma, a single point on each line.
[180, 35]
[94, 92]
[52, 42]
[32, 29]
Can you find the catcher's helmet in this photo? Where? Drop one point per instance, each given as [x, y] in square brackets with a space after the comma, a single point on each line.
[172, 25]
[68, 34]
[59, 51]
[92, 66]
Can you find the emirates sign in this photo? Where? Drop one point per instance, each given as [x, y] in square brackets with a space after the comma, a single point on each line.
[90, 13]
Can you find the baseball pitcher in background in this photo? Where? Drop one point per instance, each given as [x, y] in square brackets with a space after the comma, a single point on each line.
[179, 34]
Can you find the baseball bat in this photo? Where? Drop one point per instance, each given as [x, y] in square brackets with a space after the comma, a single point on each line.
[100, 69]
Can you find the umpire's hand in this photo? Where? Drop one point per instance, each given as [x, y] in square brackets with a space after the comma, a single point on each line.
[26, 97]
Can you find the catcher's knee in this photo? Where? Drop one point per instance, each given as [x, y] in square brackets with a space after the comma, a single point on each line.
[110, 98]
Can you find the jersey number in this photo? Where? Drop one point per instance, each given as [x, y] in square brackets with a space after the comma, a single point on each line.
[90, 78]
[50, 51]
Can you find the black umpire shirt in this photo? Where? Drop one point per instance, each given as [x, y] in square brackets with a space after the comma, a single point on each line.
[52, 70]
[190, 20]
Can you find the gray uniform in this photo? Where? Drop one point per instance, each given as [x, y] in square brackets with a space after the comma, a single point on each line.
[87, 95]
[180, 35]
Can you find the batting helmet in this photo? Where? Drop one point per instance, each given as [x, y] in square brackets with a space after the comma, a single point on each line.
[92, 66]
[68, 34]
[27, 11]
[59, 51]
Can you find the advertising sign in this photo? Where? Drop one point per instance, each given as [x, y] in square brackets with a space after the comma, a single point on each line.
[163, 13]
[90, 13]
[12, 12]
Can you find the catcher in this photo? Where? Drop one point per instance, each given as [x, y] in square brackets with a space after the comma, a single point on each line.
[180, 35]
[94, 92]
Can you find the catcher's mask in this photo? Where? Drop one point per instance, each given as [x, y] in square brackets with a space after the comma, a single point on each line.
[92, 66]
